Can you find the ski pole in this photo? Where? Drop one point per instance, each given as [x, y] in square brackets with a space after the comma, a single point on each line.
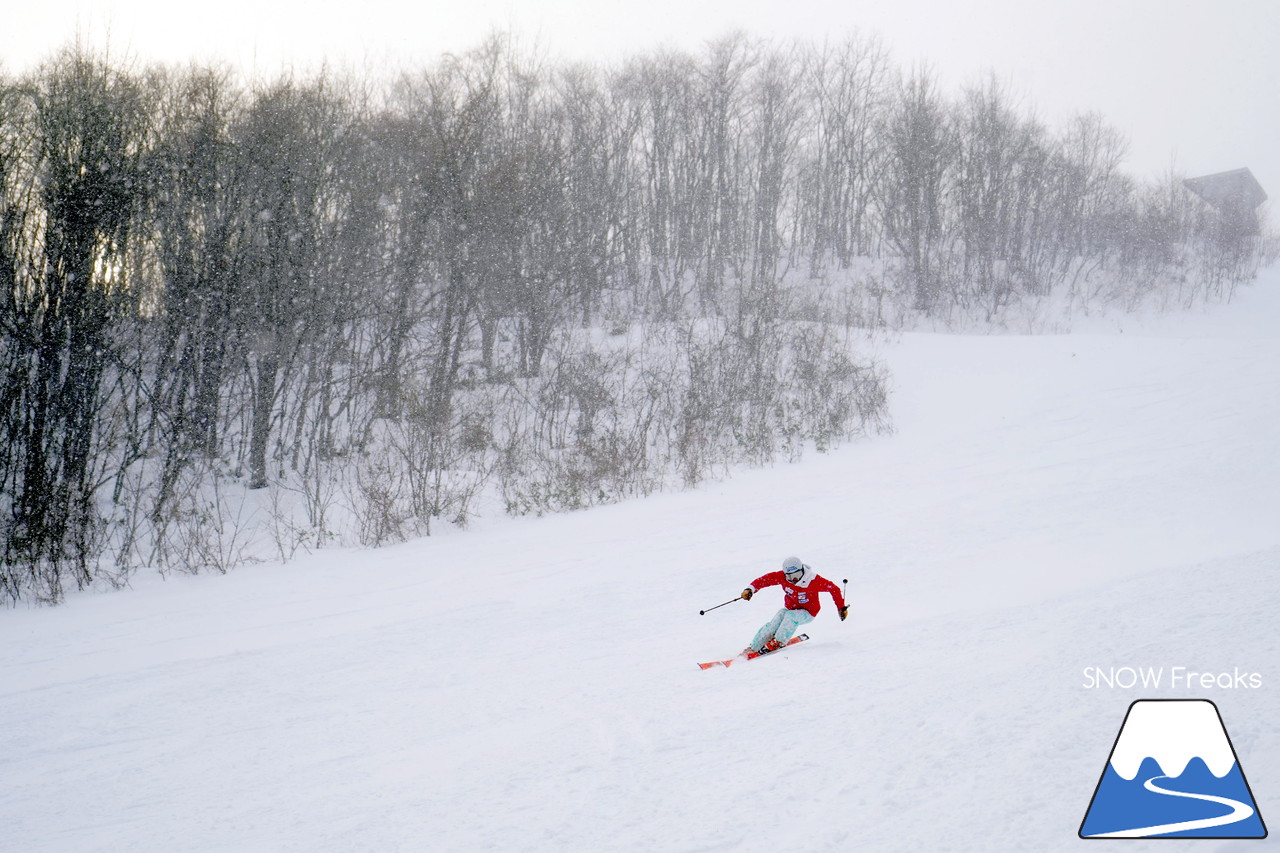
[718, 606]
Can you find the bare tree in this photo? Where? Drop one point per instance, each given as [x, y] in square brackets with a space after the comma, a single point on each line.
[286, 141]
[918, 155]
[846, 86]
[74, 150]
[196, 221]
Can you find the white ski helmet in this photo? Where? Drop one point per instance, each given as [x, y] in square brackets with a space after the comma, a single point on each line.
[795, 569]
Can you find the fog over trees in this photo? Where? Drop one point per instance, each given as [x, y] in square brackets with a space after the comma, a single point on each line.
[240, 317]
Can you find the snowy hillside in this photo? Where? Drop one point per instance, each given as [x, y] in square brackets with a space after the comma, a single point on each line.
[1047, 504]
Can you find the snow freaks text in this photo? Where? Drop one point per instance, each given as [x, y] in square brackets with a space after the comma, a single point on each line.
[1148, 677]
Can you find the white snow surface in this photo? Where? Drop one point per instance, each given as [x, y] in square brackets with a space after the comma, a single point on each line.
[1046, 504]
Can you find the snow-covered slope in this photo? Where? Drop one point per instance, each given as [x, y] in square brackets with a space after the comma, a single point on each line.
[1047, 504]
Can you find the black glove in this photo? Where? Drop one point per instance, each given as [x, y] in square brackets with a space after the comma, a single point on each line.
[747, 593]
[844, 612]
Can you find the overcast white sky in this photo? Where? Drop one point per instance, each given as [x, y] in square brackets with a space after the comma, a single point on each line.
[1191, 81]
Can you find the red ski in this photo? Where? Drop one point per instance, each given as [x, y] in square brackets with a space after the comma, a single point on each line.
[799, 638]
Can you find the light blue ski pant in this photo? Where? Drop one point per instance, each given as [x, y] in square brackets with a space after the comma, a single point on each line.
[781, 627]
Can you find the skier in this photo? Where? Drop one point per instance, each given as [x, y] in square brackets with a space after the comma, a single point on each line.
[800, 585]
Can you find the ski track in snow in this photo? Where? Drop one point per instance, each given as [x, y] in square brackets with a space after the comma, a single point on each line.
[1239, 811]
[1046, 504]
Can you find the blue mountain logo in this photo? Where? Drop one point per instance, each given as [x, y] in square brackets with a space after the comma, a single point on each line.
[1173, 773]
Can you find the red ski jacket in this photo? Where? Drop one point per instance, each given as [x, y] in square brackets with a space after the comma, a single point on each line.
[800, 597]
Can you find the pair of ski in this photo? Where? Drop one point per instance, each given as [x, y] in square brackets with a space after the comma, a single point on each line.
[799, 638]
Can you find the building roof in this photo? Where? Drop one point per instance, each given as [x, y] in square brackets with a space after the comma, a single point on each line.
[1234, 189]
